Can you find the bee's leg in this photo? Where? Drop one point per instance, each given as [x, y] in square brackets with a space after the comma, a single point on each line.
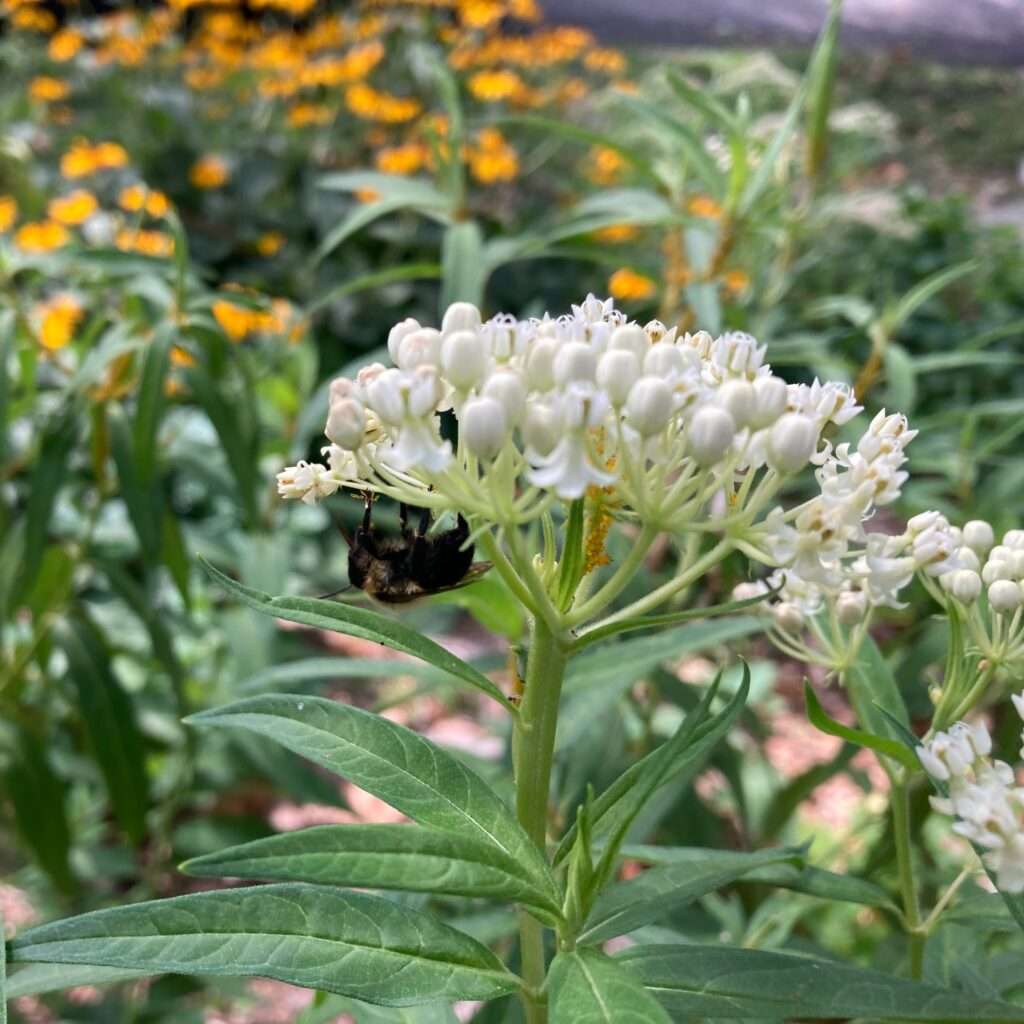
[367, 511]
[424, 523]
[334, 593]
[403, 517]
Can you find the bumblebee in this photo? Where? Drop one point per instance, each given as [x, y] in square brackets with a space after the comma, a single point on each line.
[414, 564]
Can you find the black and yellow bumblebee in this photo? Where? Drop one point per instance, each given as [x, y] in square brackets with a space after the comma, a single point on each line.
[414, 564]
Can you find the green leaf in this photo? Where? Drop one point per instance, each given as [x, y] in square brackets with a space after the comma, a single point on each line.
[765, 170]
[362, 623]
[872, 687]
[880, 744]
[31, 784]
[570, 564]
[49, 473]
[799, 878]
[350, 943]
[140, 497]
[577, 133]
[491, 603]
[820, 86]
[381, 857]
[463, 269]
[654, 893]
[109, 719]
[677, 760]
[587, 987]
[900, 377]
[375, 279]
[150, 402]
[639, 655]
[391, 762]
[414, 191]
[897, 315]
[729, 984]
[38, 979]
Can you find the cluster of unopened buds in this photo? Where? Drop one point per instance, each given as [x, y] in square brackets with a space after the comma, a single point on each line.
[983, 796]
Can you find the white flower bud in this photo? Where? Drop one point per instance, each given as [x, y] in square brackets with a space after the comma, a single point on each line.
[748, 590]
[997, 569]
[770, 396]
[460, 316]
[575, 360]
[851, 607]
[421, 348]
[342, 387]
[979, 536]
[737, 398]
[617, 371]
[1005, 596]
[464, 359]
[792, 442]
[397, 333]
[967, 559]
[1014, 539]
[788, 617]
[346, 423]
[483, 426]
[542, 429]
[932, 764]
[710, 434]
[1016, 564]
[507, 387]
[631, 337]
[668, 361]
[649, 406]
[964, 585]
[540, 372]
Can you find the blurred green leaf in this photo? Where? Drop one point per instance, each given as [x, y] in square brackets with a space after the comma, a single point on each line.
[463, 268]
[109, 719]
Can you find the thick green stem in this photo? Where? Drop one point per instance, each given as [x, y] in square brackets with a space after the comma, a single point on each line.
[533, 751]
[905, 865]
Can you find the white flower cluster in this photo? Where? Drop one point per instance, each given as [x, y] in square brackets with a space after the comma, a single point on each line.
[548, 408]
[984, 796]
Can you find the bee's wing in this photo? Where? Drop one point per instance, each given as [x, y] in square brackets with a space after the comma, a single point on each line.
[475, 571]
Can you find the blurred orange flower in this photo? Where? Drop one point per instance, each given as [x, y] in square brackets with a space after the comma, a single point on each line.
[73, 209]
[210, 171]
[41, 236]
[627, 285]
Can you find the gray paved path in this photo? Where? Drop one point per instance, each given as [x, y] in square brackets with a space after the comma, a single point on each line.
[984, 32]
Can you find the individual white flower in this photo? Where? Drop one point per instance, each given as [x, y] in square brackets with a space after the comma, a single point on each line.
[460, 316]
[1005, 596]
[574, 362]
[464, 359]
[709, 434]
[736, 397]
[307, 481]
[770, 395]
[1014, 539]
[792, 442]
[979, 536]
[649, 406]
[397, 333]
[631, 337]
[569, 470]
[483, 426]
[788, 617]
[420, 348]
[346, 423]
[506, 387]
[963, 584]
[851, 607]
[542, 429]
[618, 370]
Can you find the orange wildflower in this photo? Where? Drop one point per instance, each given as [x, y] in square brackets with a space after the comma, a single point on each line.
[210, 171]
[41, 236]
[8, 212]
[704, 206]
[629, 286]
[64, 44]
[57, 318]
[73, 209]
[47, 89]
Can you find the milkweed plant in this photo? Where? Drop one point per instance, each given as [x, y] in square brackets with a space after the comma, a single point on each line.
[545, 435]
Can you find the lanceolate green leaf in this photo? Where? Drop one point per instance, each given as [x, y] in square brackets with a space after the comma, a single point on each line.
[797, 877]
[394, 763]
[587, 987]
[677, 761]
[109, 719]
[463, 269]
[654, 893]
[381, 857]
[880, 744]
[350, 943]
[727, 983]
[360, 622]
[37, 979]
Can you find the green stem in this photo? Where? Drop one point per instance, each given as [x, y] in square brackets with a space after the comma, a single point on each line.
[533, 751]
[905, 865]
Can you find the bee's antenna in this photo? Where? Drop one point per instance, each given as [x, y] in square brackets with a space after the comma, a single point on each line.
[334, 593]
